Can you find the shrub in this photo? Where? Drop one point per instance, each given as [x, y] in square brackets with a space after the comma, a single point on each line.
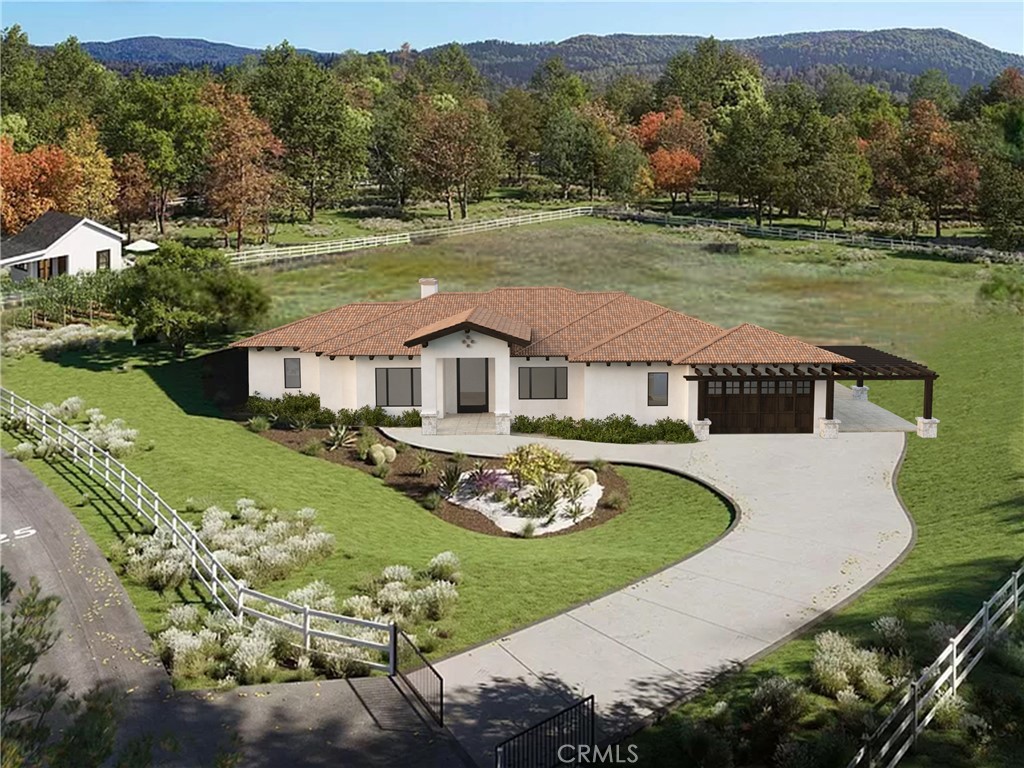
[19, 342]
[611, 429]
[614, 501]
[23, 451]
[360, 606]
[444, 567]
[367, 439]
[1004, 287]
[424, 463]
[529, 464]
[155, 561]
[839, 664]
[397, 573]
[380, 471]
[290, 409]
[892, 634]
[449, 480]
[312, 448]
[1009, 654]
[401, 447]
[258, 424]
[316, 595]
[544, 500]
[458, 458]
[438, 598]
[949, 712]
[253, 659]
[940, 633]
[781, 701]
[431, 501]
[376, 454]
[528, 529]
[390, 454]
[185, 617]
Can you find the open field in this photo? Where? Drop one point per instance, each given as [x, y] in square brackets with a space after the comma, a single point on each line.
[508, 582]
[964, 490]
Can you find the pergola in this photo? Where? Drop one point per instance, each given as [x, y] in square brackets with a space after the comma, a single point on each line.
[869, 364]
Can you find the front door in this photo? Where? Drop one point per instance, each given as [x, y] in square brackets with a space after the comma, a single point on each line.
[471, 374]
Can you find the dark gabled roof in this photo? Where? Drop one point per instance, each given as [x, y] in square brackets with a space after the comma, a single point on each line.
[40, 234]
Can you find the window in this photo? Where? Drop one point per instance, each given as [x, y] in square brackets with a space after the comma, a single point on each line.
[398, 387]
[657, 388]
[732, 387]
[785, 387]
[102, 261]
[543, 383]
[803, 387]
[714, 387]
[749, 387]
[292, 373]
[767, 387]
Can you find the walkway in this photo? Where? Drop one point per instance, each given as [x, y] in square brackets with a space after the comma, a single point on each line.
[818, 522]
[360, 723]
[865, 416]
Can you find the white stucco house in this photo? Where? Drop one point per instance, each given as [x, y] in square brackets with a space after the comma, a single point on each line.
[543, 350]
[57, 244]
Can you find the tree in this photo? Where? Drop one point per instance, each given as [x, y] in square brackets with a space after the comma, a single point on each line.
[628, 176]
[675, 129]
[714, 77]
[675, 171]
[838, 180]
[22, 78]
[519, 116]
[839, 94]
[74, 86]
[1001, 204]
[185, 295]
[88, 723]
[243, 151]
[629, 97]
[933, 85]
[456, 149]
[556, 89]
[390, 146]
[447, 70]
[1008, 87]
[94, 188]
[134, 190]
[324, 137]
[562, 158]
[32, 183]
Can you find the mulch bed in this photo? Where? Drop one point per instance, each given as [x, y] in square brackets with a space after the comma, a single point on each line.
[404, 478]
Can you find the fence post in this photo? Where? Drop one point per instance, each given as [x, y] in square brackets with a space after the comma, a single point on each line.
[305, 627]
[987, 622]
[917, 719]
[124, 482]
[1016, 592]
[193, 546]
[393, 651]
[241, 604]
[952, 658]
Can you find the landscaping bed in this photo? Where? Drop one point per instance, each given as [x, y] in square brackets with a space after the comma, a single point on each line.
[405, 477]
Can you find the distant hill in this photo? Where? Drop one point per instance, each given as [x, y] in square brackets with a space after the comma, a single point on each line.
[888, 57]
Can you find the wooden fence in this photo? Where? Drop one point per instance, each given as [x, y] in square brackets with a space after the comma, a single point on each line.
[264, 256]
[912, 713]
[224, 589]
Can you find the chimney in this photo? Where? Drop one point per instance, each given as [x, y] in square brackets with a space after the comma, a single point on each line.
[428, 286]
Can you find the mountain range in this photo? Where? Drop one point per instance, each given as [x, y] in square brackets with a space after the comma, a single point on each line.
[889, 57]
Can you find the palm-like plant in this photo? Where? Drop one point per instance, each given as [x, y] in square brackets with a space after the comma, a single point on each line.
[424, 463]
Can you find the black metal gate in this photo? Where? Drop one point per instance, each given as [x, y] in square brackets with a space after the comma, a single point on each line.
[417, 673]
[552, 742]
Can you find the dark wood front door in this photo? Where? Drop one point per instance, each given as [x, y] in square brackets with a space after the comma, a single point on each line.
[744, 406]
[471, 378]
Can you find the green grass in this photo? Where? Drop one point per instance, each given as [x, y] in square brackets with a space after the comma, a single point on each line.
[508, 582]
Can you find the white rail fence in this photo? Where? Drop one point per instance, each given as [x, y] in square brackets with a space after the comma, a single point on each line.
[264, 256]
[787, 233]
[915, 710]
[224, 589]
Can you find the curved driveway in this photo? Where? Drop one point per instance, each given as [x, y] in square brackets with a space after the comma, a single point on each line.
[818, 520]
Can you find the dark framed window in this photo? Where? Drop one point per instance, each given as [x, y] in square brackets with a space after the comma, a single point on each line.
[803, 387]
[767, 387]
[785, 387]
[657, 388]
[399, 387]
[548, 383]
[292, 373]
[732, 387]
[102, 261]
[749, 387]
[714, 387]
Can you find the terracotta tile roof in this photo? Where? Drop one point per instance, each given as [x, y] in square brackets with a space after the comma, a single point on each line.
[606, 326]
[748, 343]
[477, 318]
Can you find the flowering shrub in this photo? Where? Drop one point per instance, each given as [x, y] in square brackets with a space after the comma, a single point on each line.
[113, 436]
[23, 451]
[155, 561]
[19, 341]
[529, 464]
[891, 633]
[400, 573]
[838, 664]
[444, 567]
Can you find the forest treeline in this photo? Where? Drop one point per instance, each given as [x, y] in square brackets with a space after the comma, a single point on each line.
[286, 135]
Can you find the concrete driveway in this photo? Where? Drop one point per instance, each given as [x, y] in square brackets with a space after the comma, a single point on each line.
[818, 521]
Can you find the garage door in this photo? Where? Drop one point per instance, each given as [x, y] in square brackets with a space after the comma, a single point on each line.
[744, 406]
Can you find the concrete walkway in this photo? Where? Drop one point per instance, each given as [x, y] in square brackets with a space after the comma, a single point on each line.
[819, 520]
[865, 416]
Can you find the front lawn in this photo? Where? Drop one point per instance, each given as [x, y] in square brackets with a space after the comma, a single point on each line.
[507, 582]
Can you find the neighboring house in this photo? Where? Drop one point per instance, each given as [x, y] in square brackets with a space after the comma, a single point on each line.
[57, 244]
[539, 351]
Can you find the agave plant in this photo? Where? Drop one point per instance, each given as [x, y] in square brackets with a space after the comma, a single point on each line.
[424, 463]
[301, 423]
[449, 480]
[340, 436]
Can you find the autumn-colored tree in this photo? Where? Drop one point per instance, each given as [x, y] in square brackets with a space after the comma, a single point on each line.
[241, 162]
[93, 173]
[134, 190]
[675, 171]
[32, 183]
[1007, 87]
[672, 130]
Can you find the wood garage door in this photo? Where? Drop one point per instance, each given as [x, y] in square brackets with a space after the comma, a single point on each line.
[745, 406]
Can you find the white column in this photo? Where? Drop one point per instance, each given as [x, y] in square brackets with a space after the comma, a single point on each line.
[428, 384]
[502, 397]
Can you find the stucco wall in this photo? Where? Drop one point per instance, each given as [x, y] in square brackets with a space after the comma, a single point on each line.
[622, 389]
[80, 246]
[575, 389]
[266, 372]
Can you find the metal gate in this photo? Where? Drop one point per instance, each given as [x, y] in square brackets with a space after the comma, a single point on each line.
[552, 742]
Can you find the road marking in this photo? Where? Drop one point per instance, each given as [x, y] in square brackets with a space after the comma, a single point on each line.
[19, 533]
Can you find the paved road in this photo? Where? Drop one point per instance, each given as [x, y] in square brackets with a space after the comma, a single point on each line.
[356, 724]
[819, 520]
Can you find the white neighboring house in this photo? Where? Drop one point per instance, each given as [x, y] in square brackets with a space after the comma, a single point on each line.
[58, 244]
[539, 351]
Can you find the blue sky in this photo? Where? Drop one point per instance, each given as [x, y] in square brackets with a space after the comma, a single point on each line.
[372, 26]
